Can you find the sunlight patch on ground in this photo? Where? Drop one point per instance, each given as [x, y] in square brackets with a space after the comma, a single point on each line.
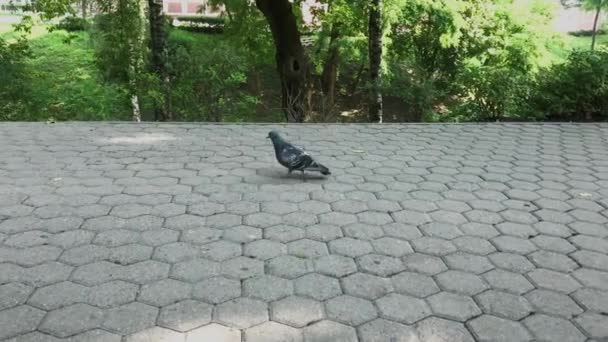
[142, 139]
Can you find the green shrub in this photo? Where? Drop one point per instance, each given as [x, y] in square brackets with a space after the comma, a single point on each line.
[574, 90]
[72, 24]
[208, 76]
[202, 24]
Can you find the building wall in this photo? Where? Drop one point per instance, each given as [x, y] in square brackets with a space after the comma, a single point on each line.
[575, 19]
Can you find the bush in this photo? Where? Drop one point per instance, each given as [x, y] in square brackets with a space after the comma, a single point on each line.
[490, 93]
[574, 90]
[211, 25]
[208, 76]
[72, 24]
[13, 84]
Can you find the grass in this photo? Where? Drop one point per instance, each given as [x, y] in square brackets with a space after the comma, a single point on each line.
[570, 42]
[62, 82]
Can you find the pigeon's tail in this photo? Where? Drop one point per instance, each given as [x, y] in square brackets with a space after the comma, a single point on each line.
[324, 170]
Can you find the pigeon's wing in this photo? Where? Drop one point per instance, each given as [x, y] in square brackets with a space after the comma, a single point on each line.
[294, 157]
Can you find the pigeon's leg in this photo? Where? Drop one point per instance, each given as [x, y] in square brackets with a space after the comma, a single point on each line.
[289, 171]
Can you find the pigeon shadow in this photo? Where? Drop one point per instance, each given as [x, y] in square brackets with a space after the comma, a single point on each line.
[295, 176]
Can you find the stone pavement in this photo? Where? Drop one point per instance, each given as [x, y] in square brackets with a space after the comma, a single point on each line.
[187, 232]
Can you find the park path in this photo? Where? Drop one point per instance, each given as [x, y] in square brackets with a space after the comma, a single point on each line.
[192, 232]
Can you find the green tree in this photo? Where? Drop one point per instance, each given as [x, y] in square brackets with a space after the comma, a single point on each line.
[597, 6]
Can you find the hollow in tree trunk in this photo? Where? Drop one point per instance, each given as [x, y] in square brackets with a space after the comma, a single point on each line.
[375, 59]
[595, 20]
[158, 61]
[292, 64]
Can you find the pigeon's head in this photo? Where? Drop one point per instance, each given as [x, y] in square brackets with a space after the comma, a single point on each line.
[274, 136]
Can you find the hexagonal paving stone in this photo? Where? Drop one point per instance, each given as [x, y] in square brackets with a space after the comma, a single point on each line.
[335, 265]
[155, 334]
[195, 270]
[296, 311]
[411, 217]
[317, 286]
[433, 246]
[337, 218]
[306, 248]
[19, 320]
[442, 330]
[289, 266]
[441, 230]
[512, 244]
[553, 280]
[366, 285]
[591, 259]
[216, 290]
[381, 329]
[268, 288]
[595, 325]
[553, 303]
[553, 243]
[491, 328]
[461, 282]
[164, 292]
[72, 320]
[402, 231]
[392, 246]
[511, 262]
[592, 299]
[279, 208]
[242, 312]
[220, 250]
[214, 332]
[112, 293]
[350, 247]
[547, 328]
[58, 295]
[262, 220]
[508, 281]
[349, 206]
[554, 261]
[329, 331]
[185, 315]
[423, 263]
[414, 284]
[242, 234]
[453, 306]
[380, 265]
[350, 310]
[284, 233]
[242, 268]
[201, 235]
[403, 308]
[273, 332]
[130, 318]
[13, 294]
[468, 262]
[504, 304]
[363, 231]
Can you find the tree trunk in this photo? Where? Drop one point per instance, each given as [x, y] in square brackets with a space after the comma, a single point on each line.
[290, 58]
[595, 20]
[375, 59]
[84, 5]
[330, 69]
[158, 63]
[135, 108]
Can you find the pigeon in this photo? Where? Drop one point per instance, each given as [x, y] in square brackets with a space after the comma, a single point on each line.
[294, 158]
